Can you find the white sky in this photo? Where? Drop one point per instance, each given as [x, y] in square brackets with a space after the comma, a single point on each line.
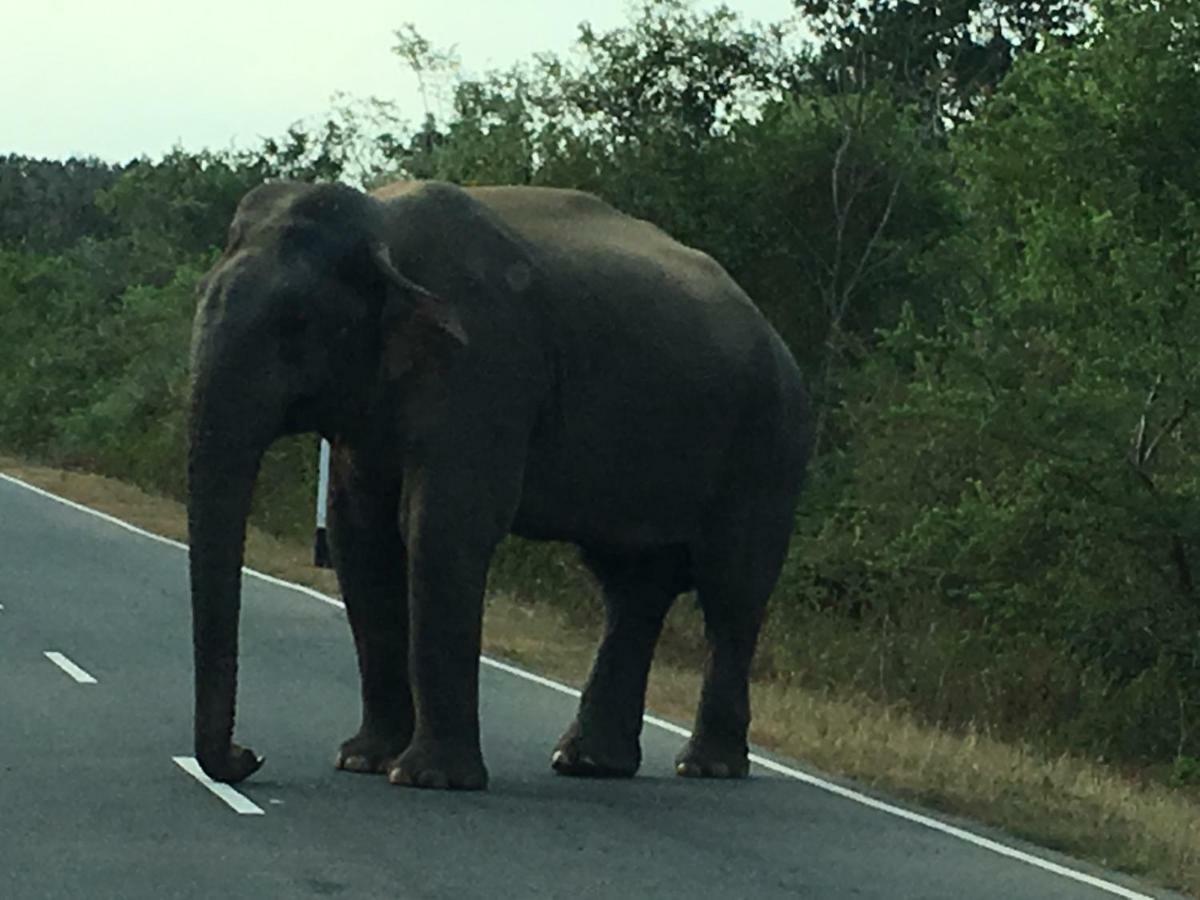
[123, 78]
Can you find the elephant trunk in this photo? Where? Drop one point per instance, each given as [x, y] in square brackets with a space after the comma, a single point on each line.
[223, 463]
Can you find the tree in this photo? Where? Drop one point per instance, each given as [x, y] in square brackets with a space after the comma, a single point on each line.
[1031, 456]
[47, 205]
[672, 77]
[945, 56]
[671, 68]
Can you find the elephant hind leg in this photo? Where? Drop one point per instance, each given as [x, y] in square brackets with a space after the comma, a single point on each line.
[638, 591]
[741, 562]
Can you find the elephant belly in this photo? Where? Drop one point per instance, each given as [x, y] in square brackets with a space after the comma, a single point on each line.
[627, 487]
[648, 416]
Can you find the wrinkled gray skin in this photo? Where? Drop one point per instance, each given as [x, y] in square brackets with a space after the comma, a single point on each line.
[487, 361]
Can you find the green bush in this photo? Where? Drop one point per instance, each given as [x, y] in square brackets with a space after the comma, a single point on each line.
[1022, 473]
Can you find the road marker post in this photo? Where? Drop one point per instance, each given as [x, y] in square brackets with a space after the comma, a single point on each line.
[320, 539]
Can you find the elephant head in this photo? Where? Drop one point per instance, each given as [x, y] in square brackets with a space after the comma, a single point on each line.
[299, 323]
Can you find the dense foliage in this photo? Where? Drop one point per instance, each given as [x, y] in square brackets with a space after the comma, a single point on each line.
[978, 227]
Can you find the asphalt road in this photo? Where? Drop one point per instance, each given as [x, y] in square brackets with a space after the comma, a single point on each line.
[92, 804]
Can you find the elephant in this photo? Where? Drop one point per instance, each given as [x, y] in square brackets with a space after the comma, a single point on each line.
[488, 361]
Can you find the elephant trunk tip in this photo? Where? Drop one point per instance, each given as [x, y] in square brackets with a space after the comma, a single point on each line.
[230, 764]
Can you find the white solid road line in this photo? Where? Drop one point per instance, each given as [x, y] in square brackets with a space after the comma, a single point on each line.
[857, 797]
[779, 768]
[69, 667]
[239, 803]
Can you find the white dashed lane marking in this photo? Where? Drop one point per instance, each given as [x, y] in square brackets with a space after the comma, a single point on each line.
[239, 803]
[69, 667]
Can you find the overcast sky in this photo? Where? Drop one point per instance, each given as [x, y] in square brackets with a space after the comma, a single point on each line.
[123, 78]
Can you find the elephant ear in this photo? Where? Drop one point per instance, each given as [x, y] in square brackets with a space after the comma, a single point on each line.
[419, 328]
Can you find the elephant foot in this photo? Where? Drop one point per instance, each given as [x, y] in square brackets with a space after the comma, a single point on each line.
[439, 765]
[231, 766]
[369, 754]
[707, 759]
[583, 754]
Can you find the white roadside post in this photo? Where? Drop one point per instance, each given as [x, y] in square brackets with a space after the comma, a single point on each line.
[320, 539]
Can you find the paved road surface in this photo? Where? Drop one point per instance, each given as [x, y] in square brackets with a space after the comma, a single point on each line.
[92, 805]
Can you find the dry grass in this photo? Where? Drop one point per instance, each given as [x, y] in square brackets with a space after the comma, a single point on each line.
[1073, 805]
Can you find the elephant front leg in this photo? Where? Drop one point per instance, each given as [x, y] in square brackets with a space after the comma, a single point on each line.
[446, 583]
[370, 561]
